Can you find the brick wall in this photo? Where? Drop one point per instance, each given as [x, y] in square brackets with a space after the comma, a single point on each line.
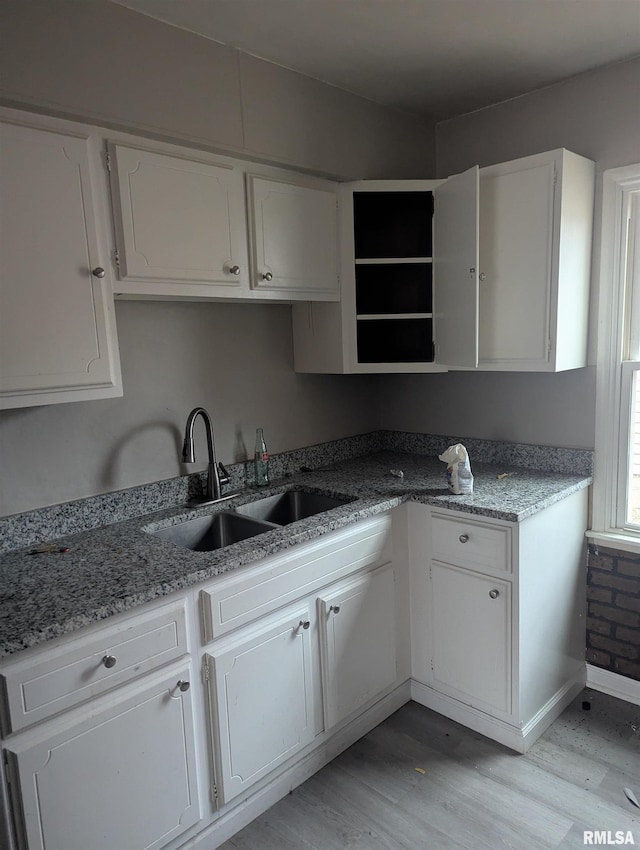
[613, 611]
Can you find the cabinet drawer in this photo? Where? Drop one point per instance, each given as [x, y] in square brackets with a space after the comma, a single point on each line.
[66, 675]
[478, 545]
[235, 600]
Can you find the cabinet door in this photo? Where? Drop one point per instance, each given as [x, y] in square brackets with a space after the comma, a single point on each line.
[293, 239]
[179, 221]
[57, 329]
[455, 270]
[536, 217]
[358, 642]
[262, 694]
[516, 215]
[471, 637]
[123, 777]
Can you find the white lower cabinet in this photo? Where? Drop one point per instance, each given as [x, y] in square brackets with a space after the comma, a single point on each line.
[262, 689]
[121, 775]
[498, 617]
[357, 642]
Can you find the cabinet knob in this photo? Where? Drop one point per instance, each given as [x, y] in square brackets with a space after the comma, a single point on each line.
[98, 271]
[234, 270]
[335, 609]
[182, 685]
[482, 277]
[266, 276]
[464, 538]
[494, 594]
[109, 661]
[305, 624]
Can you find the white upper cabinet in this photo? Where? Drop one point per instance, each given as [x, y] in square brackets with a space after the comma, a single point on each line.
[183, 228]
[57, 327]
[409, 281]
[535, 257]
[505, 286]
[180, 226]
[293, 238]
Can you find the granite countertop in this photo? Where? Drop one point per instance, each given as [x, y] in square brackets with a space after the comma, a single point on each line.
[118, 567]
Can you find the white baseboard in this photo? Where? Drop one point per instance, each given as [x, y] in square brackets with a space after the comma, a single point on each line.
[515, 737]
[266, 796]
[613, 684]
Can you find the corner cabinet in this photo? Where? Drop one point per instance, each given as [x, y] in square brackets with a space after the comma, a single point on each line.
[409, 260]
[498, 617]
[57, 326]
[186, 220]
[509, 241]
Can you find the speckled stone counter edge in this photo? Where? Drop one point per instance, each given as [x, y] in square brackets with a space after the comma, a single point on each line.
[25, 529]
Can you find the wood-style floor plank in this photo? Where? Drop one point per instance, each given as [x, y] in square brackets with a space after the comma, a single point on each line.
[474, 794]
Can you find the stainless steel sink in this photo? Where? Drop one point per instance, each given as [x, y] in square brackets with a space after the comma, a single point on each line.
[291, 506]
[215, 531]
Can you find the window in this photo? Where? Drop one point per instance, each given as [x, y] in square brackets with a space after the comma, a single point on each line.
[616, 512]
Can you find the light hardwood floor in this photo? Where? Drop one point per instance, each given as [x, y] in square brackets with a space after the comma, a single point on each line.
[422, 782]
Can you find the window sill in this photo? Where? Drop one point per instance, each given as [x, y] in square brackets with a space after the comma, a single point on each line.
[615, 540]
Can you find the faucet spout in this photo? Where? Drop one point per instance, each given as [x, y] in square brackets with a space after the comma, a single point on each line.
[217, 475]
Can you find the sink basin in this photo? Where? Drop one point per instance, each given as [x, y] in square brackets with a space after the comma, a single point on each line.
[215, 531]
[293, 505]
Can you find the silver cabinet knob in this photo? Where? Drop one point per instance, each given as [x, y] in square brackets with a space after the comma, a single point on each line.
[234, 269]
[98, 271]
[482, 277]
[335, 609]
[182, 685]
[267, 276]
[464, 538]
[494, 594]
[305, 624]
[109, 661]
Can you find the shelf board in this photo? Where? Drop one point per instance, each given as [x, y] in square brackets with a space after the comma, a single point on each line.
[392, 261]
[367, 317]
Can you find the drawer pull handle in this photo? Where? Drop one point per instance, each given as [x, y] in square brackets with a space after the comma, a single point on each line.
[464, 538]
[335, 609]
[494, 594]
[305, 624]
[182, 685]
[109, 661]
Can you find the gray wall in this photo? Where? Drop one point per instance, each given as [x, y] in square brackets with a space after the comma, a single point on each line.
[595, 115]
[106, 64]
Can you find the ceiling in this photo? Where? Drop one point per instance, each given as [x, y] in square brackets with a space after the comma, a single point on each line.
[439, 58]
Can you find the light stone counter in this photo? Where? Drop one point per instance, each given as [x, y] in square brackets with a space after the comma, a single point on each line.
[117, 567]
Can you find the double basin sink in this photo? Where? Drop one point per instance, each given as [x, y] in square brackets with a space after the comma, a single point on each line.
[215, 531]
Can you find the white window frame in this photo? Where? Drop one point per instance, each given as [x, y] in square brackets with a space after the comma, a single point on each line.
[613, 376]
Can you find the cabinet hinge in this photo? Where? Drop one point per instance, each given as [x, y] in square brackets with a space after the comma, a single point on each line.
[431, 663]
[555, 176]
[107, 158]
[206, 675]
[116, 257]
[214, 792]
[549, 345]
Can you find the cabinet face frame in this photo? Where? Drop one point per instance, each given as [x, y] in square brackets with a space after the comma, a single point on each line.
[98, 375]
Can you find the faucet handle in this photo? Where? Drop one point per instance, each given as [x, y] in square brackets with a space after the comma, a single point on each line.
[223, 475]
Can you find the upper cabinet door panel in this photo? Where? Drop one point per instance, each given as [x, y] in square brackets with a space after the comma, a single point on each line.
[455, 259]
[57, 332]
[178, 219]
[293, 239]
[516, 218]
